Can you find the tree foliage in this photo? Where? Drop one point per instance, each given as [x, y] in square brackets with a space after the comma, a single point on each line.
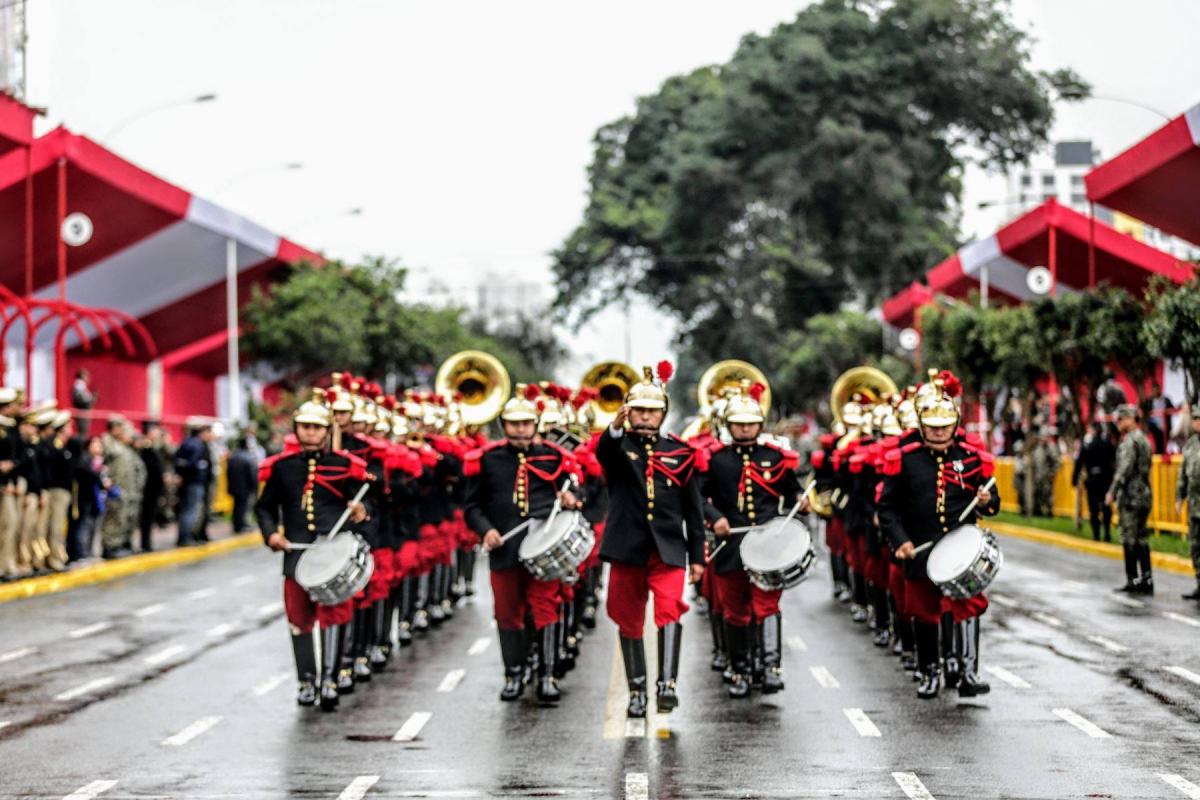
[1172, 329]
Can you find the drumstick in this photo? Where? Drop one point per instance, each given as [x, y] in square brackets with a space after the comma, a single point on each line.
[986, 487]
[922, 548]
[567, 484]
[362, 492]
[516, 530]
[791, 515]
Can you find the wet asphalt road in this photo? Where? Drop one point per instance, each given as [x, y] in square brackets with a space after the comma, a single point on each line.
[179, 684]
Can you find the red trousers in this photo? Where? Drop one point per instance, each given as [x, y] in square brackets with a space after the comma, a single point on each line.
[302, 613]
[876, 566]
[381, 579]
[629, 587]
[835, 536]
[430, 546]
[742, 602]
[897, 585]
[515, 591]
[926, 602]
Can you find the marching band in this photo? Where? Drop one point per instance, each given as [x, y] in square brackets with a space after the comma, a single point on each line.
[380, 503]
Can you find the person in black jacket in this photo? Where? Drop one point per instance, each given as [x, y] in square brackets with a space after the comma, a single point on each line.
[1096, 464]
[193, 465]
[654, 535]
[509, 483]
[302, 498]
[152, 494]
[748, 483]
[242, 481]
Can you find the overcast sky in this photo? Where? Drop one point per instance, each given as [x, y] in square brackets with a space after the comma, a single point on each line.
[463, 129]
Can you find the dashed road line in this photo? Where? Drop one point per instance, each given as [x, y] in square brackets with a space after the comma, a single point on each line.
[85, 688]
[412, 727]
[479, 645]
[1078, 586]
[13, 655]
[861, 722]
[1048, 619]
[1195, 623]
[4, 723]
[191, 732]
[824, 677]
[1012, 680]
[219, 630]
[1130, 602]
[270, 684]
[88, 630]
[242, 580]
[1088, 727]
[150, 610]
[911, 785]
[637, 786]
[635, 728]
[1184, 673]
[452, 679]
[93, 789]
[164, 655]
[796, 644]
[1186, 787]
[1003, 600]
[358, 787]
[1108, 644]
[268, 609]
[200, 594]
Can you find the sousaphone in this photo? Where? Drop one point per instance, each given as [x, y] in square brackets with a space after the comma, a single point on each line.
[481, 382]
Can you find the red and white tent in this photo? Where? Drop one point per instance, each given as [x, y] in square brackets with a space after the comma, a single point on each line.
[16, 124]
[900, 310]
[1157, 180]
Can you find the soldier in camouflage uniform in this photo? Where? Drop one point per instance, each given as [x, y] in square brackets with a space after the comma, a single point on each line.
[1188, 489]
[128, 473]
[1046, 459]
[1131, 491]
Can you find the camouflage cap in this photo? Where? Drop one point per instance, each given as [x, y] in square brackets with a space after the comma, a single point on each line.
[1127, 411]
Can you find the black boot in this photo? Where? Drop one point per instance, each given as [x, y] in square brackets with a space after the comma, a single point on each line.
[306, 668]
[512, 651]
[362, 629]
[738, 638]
[908, 647]
[437, 614]
[1194, 594]
[858, 608]
[668, 666]
[345, 675]
[633, 653]
[378, 617]
[771, 638]
[951, 639]
[590, 603]
[547, 690]
[720, 651]
[420, 605]
[927, 660]
[883, 617]
[1146, 580]
[970, 685]
[331, 642]
[447, 593]
[468, 572]
[404, 611]
[1131, 575]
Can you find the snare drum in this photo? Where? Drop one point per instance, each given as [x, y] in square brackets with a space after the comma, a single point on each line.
[334, 570]
[554, 552]
[778, 554]
[965, 561]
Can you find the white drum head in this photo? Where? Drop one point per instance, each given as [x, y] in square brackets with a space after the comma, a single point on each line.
[954, 553]
[541, 537]
[776, 545]
[323, 562]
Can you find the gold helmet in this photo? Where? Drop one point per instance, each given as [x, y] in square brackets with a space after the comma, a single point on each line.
[745, 407]
[314, 411]
[522, 406]
[551, 411]
[937, 408]
[853, 413]
[650, 393]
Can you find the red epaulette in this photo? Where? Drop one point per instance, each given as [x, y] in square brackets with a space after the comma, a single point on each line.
[429, 457]
[472, 458]
[911, 446]
[817, 459]
[827, 440]
[974, 440]
[442, 444]
[356, 467]
[891, 461]
[589, 462]
[401, 458]
[291, 444]
[838, 457]
[267, 464]
[791, 459]
[856, 463]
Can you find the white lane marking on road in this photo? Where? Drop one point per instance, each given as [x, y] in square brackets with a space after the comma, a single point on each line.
[1012, 680]
[150, 610]
[219, 630]
[164, 654]
[88, 630]
[412, 727]
[4, 723]
[358, 787]
[479, 645]
[1108, 644]
[796, 644]
[200, 594]
[268, 609]
[861, 722]
[1078, 586]
[912, 786]
[637, 786]
[1195, 623]
[1186, 787]
[91, 790]
[13, 655]
[635, 729]
[824, 677]
[242, 580]
[1184, 673]
[452, 679]
[1004, 600]
[1128, 601]
[1088, 727]
[1052, 621]
[85, 688]
[191, 732]
[270, 684]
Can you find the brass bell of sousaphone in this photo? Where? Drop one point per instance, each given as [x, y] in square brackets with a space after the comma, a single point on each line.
[479, 380]
[870, 384]
[611, 380]
[727, 375]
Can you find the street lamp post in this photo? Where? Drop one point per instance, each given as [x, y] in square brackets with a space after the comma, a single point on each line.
[207, 97]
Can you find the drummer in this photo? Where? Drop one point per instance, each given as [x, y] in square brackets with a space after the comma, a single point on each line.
[928, 485]
[303, 495]
[510, 482]
[748, 483]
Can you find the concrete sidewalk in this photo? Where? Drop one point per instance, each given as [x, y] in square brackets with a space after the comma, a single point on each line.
[1168, 562]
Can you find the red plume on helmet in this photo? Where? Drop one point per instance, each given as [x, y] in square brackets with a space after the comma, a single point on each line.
[665, 370]
[531, 391]
[541, 406]
[458, 397]
[951, 384]
[756, 391]
[347, 380]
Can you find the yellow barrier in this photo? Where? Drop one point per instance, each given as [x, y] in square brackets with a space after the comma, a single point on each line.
[1162, 483]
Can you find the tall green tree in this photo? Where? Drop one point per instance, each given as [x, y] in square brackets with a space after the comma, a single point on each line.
[1172, 329]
